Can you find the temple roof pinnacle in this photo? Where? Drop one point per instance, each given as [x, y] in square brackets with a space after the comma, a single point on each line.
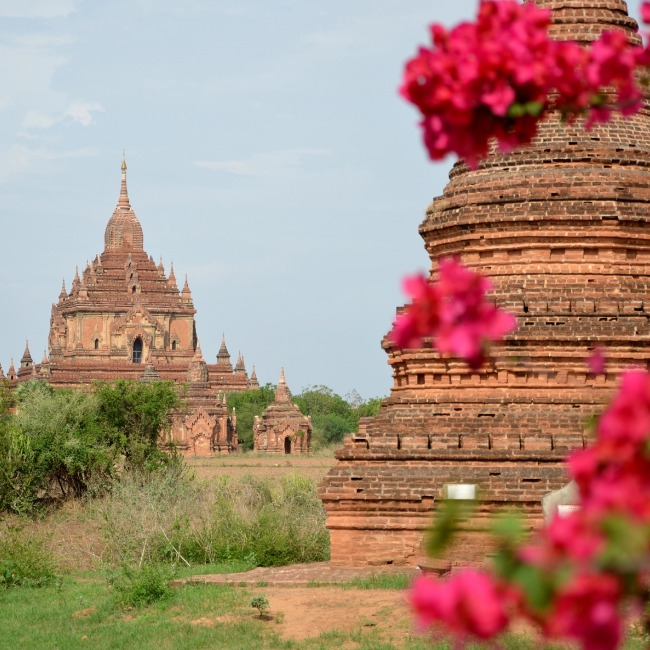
[282, 393]
[45, 359]
[26, 360]
[223, 356]
[186, 293]
[12, 369]
[161, 268]
[124, 195]
[64, 294]
[172, 277]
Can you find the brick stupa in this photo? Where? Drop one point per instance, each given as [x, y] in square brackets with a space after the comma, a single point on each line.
[282, 428]
[562, 229]
[125, 318]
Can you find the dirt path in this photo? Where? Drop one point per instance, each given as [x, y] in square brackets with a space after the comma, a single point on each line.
[304, 612]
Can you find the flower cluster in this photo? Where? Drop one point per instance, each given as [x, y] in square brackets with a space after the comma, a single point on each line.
[497, 77]
[576, 577]
[453, 311]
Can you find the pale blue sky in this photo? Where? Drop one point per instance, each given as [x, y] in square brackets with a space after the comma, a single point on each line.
[269, 156]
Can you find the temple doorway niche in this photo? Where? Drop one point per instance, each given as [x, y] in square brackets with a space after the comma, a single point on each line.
[137, 351]
[287, 445]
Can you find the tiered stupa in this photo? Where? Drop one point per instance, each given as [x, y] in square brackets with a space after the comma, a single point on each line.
[562, 229]
[282, 429]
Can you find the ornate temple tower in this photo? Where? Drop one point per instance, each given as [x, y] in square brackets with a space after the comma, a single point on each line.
[123, 318]
[562, 229]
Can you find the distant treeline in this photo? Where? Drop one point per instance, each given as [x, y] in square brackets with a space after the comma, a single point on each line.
[332, 415]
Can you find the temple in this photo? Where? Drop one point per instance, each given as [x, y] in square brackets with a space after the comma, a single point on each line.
[282, 429]
[124, 317]
[561, 227]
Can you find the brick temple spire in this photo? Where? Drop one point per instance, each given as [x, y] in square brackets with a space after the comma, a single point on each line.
[253, 383]
[123, 232]
[172, 278]
[26, 360]
[11, 375]
[223, 357]
[282, 392]
[124, 194]
[64, 294]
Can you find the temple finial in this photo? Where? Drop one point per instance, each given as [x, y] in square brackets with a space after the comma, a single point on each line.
[124, 195]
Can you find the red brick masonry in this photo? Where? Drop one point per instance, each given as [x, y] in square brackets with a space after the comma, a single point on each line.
[562, 229]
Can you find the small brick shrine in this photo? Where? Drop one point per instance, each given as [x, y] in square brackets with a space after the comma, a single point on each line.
[562, 229]
[282, 429]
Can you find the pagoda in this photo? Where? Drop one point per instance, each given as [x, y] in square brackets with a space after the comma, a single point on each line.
[562, 229]
[282, 428]
[124, 317]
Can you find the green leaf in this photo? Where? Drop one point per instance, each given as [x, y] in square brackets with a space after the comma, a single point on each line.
[534, 108]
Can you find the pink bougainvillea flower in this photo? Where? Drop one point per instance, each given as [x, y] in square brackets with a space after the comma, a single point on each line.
[645, 12]
[494, 79]
[586, 609]
[596, 361]
[469, 604]
[422, 317]
[454, 312]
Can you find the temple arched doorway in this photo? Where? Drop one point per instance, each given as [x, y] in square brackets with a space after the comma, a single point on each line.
[287, 445]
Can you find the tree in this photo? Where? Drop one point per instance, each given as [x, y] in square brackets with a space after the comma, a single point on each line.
[248, 404]
[139, 414]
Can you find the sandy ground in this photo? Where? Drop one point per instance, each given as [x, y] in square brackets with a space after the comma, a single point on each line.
[262, 466]
[306, 612]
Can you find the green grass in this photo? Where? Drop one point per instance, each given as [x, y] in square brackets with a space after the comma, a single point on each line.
[380, 581]
[48, 618]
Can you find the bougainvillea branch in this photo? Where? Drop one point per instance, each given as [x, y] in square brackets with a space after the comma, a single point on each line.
[579, 577]
[499, 76]
[454, 312]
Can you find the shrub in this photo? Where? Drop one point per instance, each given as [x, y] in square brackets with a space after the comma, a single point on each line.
[67, 444]
[166, 516]
[25, 559]
[19, 478]
[260, 603]
[139, 413]
[145, 585]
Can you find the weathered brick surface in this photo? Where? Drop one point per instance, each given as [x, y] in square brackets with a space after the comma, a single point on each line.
[562, 229]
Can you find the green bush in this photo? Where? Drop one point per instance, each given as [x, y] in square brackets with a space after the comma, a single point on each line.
[145, 585]
[139, 413]
[25, 559]
[62, 443]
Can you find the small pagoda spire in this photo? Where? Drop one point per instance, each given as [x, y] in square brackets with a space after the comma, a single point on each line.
[253, 384]
[12, 370]
[223, 356]
[161, 268]
[186, 293]
[240, 368]
[172, 277]
[282, 392]
[26, 360]
[45, 359]
[124, 195]
[197, 371]
[64, 294]
[198, 355]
